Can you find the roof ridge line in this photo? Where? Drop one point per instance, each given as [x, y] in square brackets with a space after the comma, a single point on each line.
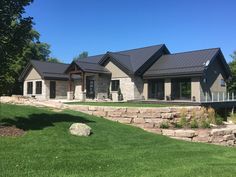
[140, 48]
[194, 51]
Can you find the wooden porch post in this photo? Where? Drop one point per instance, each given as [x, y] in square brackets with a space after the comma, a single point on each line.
[82, 80]
[70, 82]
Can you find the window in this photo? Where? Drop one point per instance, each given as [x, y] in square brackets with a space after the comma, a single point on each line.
[38, 87]
[29, 87]
[222, 83]
[115, 85]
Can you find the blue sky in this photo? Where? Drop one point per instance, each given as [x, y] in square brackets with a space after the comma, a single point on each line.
[97, 26]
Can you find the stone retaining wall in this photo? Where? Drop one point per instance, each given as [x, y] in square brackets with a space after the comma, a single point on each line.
[222, 136]
[148, 119]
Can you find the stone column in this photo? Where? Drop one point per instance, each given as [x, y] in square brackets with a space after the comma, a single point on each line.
[114, 96]
[145, 90]
[70, 95]
[195, 89]
[82, 96]
[167, 88]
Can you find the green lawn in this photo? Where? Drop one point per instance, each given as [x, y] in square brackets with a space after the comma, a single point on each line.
[47, 149]
[121, 104]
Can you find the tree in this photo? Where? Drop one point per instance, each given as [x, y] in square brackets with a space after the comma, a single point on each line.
[18, 43]
[232, 65]
[53, 60]
[83, 54]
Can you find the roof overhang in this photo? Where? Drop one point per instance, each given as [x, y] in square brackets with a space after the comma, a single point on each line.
[174, 75]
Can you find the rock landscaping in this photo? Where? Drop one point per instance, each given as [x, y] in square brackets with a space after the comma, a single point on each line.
[80, 129]
[190, 123]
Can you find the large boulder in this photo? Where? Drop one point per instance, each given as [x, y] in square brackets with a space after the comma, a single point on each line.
[80, 129]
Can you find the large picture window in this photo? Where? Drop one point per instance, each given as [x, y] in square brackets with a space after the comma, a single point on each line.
[38, 87]
[115, 85]
[29, 87]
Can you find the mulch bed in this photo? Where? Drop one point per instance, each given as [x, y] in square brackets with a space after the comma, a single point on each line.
[11, 131]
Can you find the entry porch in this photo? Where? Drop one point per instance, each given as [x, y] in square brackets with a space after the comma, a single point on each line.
[87, 81]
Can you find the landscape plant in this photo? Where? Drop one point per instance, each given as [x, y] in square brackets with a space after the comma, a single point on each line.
[194, 123]
[164, 125]
[120, 95]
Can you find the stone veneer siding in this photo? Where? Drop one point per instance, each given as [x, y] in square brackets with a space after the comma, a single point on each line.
[61, 89]
[101, 85]
[131, 86]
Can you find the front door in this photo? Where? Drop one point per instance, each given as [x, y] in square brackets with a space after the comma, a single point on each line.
[52, 89]
[90, 89]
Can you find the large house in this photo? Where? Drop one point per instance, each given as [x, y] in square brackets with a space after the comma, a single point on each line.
[138, 74]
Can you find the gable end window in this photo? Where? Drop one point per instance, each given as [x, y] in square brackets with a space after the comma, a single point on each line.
[115, 85]
[29, 87]
[38, 87]
[222, 83]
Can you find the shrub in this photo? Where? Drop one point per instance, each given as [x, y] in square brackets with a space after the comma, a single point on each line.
[205, 123]
[219, 120]
[194, 123]
[233, 118]
[183, 112]
[109, 95]
[120, 95]
[183, 122]
[177, 125]
[212, 115]
[164, 125]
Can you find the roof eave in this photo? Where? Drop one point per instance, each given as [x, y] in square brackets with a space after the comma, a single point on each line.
[173, 75]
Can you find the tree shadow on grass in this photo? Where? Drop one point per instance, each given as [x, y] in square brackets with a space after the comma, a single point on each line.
[41, 121]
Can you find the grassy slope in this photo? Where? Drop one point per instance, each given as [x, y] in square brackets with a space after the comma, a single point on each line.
[121, 104]
[113, 150]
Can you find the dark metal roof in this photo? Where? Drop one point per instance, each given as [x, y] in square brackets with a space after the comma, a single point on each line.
[153, 61]
[139, 56]
[193, 62]
[47, 70]
[91, 67]
[131, 60]
[92, 59]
